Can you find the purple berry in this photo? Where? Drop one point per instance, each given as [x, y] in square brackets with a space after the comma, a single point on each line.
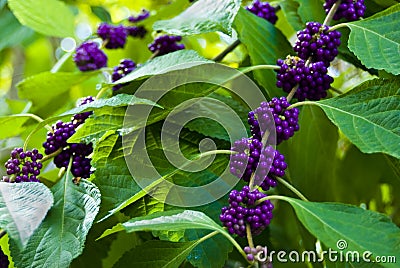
[4, 262]
[89, 57]
[348, 9]
[124, 67]
[263, 10]
[312, 79]
[142, 16]
[317, 43]
[113, 35]
[166, 44]
[241, 211]
[79, 119]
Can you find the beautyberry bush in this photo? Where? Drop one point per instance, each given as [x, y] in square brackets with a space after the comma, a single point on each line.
[206, 133]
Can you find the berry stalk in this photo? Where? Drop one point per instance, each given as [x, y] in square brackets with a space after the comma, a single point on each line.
[226, 51]
[331, 13]
[292, 188]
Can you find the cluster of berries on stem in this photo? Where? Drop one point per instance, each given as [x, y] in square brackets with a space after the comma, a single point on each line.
[244, 210]
[349, 9]
[304, 76]
[124, 67]
[263, 10]
[23, 166]
[165, 44]
[76, 152]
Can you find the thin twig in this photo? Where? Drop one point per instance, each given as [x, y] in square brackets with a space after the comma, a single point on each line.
[331, 13]
[227, 50]
[2, 233]
[292, 92]
[292, 188]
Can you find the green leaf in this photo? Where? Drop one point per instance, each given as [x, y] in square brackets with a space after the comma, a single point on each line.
[12, 33]
[211, 128]
[369, 115]
[103, 120]
[363, 230]
[23, 206]
[265, 45]
[376, 40]
[211, 253]
[311, 10]
[173, 220]
[114, 181]
[200, 18]
[61, 236]
[40, 15]
[290, 10]
[101, 13]
[48, 91]
[120, 100]
[12, 125]
[103, 148]
[181, 59]
[318, 137]
[157, 254]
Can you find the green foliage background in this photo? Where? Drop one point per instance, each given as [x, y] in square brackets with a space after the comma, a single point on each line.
[347, 150]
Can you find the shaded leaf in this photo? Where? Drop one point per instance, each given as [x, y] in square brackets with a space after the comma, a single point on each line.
[311, 10]
[363, 230]
[265, 45]
[155, 254]
[12, 33]
[23, 206]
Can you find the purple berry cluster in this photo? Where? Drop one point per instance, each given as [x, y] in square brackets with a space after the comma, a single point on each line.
[57, 139]
[243, 164]
[142, 16]
[124, 67]
[80, 163]
[312, 79]
[4, 262]
[348, 9]
[23, 166]
[136, 31]
[271, 165]
[286, 120]
[114, 36]
[243, 210]
[266, 163]
[166, 44]
[79, 119]
[317, 43]
[89, 57]
[263, 10]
